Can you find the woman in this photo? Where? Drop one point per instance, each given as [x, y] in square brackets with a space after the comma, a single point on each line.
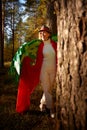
[43, 71]
[48, 69]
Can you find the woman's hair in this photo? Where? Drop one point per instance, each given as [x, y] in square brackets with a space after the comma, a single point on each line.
[44, 28]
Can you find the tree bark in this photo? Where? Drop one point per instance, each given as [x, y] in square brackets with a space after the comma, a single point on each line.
[1, 36]
[51, 16]
[72, 64]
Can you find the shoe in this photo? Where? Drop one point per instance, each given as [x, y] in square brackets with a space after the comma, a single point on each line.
[50, 112]
[42, 107]
[52, 115]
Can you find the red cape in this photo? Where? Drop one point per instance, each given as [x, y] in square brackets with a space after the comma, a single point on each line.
[29, 79]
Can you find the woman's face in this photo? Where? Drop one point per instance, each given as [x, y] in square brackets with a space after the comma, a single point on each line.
[44, 35]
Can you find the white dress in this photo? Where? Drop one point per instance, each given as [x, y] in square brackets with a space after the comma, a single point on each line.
[48, 72]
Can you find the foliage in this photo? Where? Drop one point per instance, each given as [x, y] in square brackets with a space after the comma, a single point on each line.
[11, 17]
[33, 10]
[28, 18]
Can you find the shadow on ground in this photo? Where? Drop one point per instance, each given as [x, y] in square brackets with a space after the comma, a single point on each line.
[9, 119]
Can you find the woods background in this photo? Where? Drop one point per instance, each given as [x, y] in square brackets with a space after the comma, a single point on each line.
[67, 18]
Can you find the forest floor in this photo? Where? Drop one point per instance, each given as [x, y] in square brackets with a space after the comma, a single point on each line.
[9, 119]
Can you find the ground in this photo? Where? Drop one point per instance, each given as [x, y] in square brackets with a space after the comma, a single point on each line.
[9, 119]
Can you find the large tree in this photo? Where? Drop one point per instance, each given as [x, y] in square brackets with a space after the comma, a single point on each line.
[72, 64]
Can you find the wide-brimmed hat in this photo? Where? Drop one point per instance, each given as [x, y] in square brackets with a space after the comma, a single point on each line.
[45, 28]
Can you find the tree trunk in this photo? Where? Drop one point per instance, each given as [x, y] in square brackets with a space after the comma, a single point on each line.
[1, 36]
[72, 64]
[51, 16]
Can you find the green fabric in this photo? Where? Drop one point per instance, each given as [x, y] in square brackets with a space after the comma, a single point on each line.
[26, 49]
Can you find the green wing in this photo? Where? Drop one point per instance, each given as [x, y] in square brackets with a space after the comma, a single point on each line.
[26, 49]
[54, 38]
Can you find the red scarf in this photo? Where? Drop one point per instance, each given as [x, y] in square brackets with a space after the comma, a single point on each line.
[29, 79]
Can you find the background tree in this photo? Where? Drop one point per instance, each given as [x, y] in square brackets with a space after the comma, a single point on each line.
[11, 20]
[51, 18]
[22, 21]
[1, 33]
[15, 26]
[72, 64]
